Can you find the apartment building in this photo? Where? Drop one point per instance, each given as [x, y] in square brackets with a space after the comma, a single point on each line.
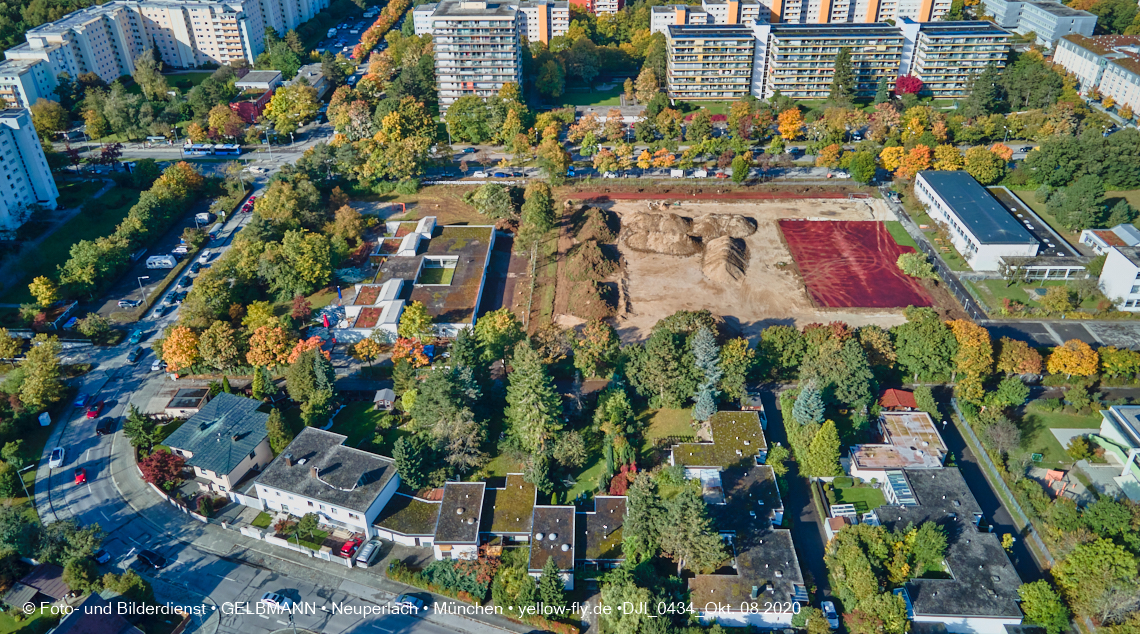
[709, 63]
[944, 55]
[798, 12]
[539, 20]
[742, 12]
[24, 168]
[23, 82]
[1109, 63]
[602, 6]
[1049, 21]
[477, 47]
[799, 60]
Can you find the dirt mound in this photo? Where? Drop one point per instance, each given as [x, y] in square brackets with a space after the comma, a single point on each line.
[725, 260]
[646, 222]
[712, 226]
[597, 224]
[589, 262]
[679, 244]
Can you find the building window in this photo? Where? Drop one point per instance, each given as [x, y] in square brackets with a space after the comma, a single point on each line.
[1135, 289]
[310, 503]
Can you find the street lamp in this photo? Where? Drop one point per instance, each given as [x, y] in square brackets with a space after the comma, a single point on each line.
[268, 144]
[141, 292]
[1006, 135]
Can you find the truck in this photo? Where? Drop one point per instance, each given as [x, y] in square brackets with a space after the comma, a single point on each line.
[203, 218]
[160, 262]
[215, 231]
[332, 33]
[676, 173]
[700, 174]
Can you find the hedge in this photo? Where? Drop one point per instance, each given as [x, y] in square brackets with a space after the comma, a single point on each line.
[398, 571]
[379, 28]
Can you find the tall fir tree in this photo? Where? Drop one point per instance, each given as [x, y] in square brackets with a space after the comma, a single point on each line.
[641, 530]
[706, 360]
[662, 370]
[688, 535]
[843, 80]
[809, 404]
[551, 589]
[854, 384]
[226, 385]
[883, 91]
[278, 430]
[410, 463]
[534, 407]
[823, 454]
[257, 389]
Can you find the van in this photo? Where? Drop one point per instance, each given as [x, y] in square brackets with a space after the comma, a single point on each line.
[677, 173]
[700, 174]
[368, 554]
[160, 262]
[215, 231]
[203, 217]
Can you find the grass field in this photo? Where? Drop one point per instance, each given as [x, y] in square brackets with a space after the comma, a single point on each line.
[994, 291]
[186, 81]
[263, 520]
[75, 193]
[43, 621]
[436, 275]
[1036, 436]
[865, 498]
[899, 234]
[358, 421]
[592, 97]
[54, 251]
[662, 423]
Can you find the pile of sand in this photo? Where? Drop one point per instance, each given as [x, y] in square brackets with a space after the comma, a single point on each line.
[643, 222]
[679, 244]
[725, 260]
[712, 226]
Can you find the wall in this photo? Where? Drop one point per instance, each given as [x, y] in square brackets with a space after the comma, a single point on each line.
[969, 625]
[1117, 280]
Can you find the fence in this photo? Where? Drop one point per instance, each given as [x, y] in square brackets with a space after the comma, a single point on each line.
[252, 502]
[955, 287]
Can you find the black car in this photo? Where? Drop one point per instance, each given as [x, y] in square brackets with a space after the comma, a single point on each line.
[133, 357]
[195, 267]
[185, 282]
[151, 559]
[105, 426]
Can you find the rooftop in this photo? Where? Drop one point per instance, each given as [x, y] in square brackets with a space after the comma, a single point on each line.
[1109, 238]
[984, 582]
[709, 31]
[750, 498]
[599, 531]
[1127, 418]
[736, 439]
[474, 8]
[984, 27]
[1102, 44]
[408, 515]
[765, 562]
[877, 457]
[914, 430]
[1059, 10]
[552, 535]
[188, 398]
[983, 215]
[898, 398]
[259, 77]
[1132, 253]
[507, 509]
[222, 434]
[344, 476]
[459, 513]
[94, 616]
[816, 31]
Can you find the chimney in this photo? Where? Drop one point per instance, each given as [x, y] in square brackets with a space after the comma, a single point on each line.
[236, 437]
[288, 460]
[313, 471]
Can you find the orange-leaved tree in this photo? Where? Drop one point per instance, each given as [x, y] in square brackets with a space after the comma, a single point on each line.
[180, 350]
[1073, 357]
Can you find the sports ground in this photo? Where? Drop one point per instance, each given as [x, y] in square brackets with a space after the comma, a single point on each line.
[851, 264]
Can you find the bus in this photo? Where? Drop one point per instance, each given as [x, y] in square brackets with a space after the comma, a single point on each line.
[232, 149]
[198, 149]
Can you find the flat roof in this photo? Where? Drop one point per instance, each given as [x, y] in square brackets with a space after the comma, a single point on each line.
[1058, 9]
[555, 525]
[709, 31]
[599, 531]
[188, 398]
[881, 457]
[259, 77]
[345, 476]
[914, 430]
[984, 582]
[459, 513]
[750, 498]
[1127, 418]
[409, 515]
[883, 29]
[765, 559]
[507, 509]
[474, 8]
[983, 215]
[736, 438]
[222, 434]
[971, 26]
[1132, 253]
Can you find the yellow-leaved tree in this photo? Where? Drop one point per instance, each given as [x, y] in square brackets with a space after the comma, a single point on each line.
[180, 349]
[1074, 357]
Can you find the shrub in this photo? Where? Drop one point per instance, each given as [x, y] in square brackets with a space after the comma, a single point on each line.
[1079, 448]
[1049, 404]
[408, 187]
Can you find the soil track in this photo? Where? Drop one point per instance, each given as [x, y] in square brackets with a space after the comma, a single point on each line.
[599, 197]
[852, 264]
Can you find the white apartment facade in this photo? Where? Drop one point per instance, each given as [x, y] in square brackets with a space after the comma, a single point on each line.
[797, 12]
[477, 48]
[1108, 63]
[539, 20]
[1120, 278]
[27, 180]
[23, 82]
[1049, 21]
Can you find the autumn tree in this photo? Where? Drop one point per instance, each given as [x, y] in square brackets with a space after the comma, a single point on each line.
[891, 158]
[1074, 357]
[948, 158]
[163, 469]
[269, 346]
[180, 349]
[42, 385]
[916, 160]
[497, 332]
[647, 85]
[367, 350]
[791, 124]
[1017, 357]
[985, 166]
[221, 347]
[44, 291]
[596, 348]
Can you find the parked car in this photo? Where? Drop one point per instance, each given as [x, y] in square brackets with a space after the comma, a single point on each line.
[81, 400]
[195, 267]
[277, 600]
[80, 475]
[350, 546]
[105, 427]
[721, 175]
[501, 175]
[469, 150]
[95, 410]
[186, 281]
[151, 559]
[135, 355]
[205, 257]
[829, 613]
[368, 554]
[135, 338]
[409, 602]
[58, 454]
[102, 556]
[128, 303]
[479, 175]
[158, 365]
[609, 175]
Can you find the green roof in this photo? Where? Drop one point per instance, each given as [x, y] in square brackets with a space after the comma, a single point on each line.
[222, 433]
[509, 509]
[736, 438]
[600, 530]
[409, 516]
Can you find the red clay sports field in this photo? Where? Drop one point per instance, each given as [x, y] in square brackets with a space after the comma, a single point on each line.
[852, 264]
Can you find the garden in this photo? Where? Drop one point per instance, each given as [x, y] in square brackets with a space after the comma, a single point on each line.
[866, 496]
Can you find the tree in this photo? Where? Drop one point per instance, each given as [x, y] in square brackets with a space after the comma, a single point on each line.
[822, 458]
[141, 430]
[94, 326]
[916, 264]
[595, 348]
[882, 91]
[309, 380]
[269, 346]
[415, 322]
[647, 85]
[497, 332]
[221, 347]
[1043, 607]
[44, 290]
[551, 588]
[706, 362]
[948, 158]
[48, 118]
[791, 124]
[1073, 357]
[553, 159]
[278, 429]
[537, 212]
[862, 167]
[919, 158]
[534, 407]
[1016, 357]
[809, 404]
[130, 585]
[410, 462]
[925, 345]
[551, 79]
[291, 106]
[10, 346]
[842, 79]
[891, 158]
[662, 369]
[1091, 570]
[908, 85]
[163, 469]
[691, 539]
[42, 385]
[736, 363]
[224, 122]
[180, 349]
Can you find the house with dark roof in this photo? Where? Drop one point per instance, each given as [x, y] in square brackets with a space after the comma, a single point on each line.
[600, 533]
[460, 516]
[508, 506]
[186, 402]
[980, 227]
[978, 593]
[223, 442]
[96, 615]
[346, 487]
[552, 537]
[44, 584]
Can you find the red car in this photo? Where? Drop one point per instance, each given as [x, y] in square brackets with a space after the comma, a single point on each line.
[95, 410]
[80, 475]
[721, 175]
[350, 546]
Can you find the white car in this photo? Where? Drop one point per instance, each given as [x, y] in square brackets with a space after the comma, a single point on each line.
[609, 175]
[158, 365]
[57, 456]
[205, 257]
[277, 600]
[479, 175]
[829, 613]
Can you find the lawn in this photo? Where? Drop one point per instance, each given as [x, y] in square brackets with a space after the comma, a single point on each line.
[864, 497]
[358, 421]
[75, 193]
[663, 423]
[900, 235]
[263, 520]
[43, 621]
[1036, 436]
[186, 81]
[586, 480]
[994, 291]
[714, 107]
[436, 275]
[53, 252]
[593, 97]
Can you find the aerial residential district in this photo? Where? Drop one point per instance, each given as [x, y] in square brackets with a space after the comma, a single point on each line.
[580, 317]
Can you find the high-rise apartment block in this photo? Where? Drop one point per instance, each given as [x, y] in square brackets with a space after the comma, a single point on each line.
[743, 12]
[539, 20]
[1108, 63]
[27, 180]
[717, 62]
[477, 48]
[1049, 21]
[599, 6]
[797, 12]
[106, 39]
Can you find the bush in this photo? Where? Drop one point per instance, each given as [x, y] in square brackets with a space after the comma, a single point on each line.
[1049, 404]
[408, 187]
[1079, 448]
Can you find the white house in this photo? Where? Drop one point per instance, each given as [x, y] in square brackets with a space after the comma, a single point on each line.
[1122, 235]
[980, 228]
[1120, 277]
[1120, 427]
[346, 487]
